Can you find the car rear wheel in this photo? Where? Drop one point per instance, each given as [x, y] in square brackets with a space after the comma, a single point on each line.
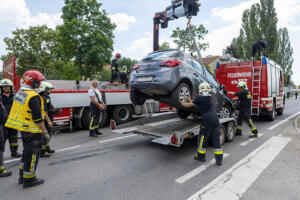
[182, 114]
[137, 98]
[180, 93]
[222, 134]
[225, 112]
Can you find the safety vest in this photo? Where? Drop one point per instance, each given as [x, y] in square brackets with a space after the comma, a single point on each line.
[20, 116]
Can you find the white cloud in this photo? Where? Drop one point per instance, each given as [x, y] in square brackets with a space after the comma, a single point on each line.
[122, 20]
[16, 14]
[140, 47]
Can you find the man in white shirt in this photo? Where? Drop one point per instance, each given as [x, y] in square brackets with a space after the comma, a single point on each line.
[96, 106]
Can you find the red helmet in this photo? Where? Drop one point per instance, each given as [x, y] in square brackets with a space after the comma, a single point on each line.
[33, 78]
[118, 55]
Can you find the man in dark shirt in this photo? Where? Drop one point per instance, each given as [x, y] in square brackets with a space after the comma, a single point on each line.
[7, 95]
[245, 109]
[115, 69]
[27, 116]
[258, 47]
[210, 125]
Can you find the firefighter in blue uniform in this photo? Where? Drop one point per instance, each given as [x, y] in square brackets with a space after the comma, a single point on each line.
[244, 98]
[115, 76]
[45, 90]
[210, 125]
[9, 133]
[3, 117]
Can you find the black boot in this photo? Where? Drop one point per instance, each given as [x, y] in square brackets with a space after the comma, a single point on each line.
[238, 132]
[200, 157]
[34, 182]
[92, 134]
[45, 154]
[219, 159]
[4, 173]
[20, 176]
[15, 154]
[254, 134]
[49, 150]
[97, 132]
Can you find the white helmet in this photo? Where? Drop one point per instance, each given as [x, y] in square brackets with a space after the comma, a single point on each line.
[204, 89]
[242, 85]
[6, 82]
[46, 87]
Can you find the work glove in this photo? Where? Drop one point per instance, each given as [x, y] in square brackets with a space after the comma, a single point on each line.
[46, 137]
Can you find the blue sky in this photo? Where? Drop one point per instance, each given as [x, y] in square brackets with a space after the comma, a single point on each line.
[134, 22]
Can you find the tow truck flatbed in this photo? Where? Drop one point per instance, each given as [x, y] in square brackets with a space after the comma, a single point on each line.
[169, 129]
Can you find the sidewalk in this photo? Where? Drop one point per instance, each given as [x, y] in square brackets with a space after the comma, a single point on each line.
[281, 180]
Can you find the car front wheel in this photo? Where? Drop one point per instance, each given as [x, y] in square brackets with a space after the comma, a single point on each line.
[180, 93]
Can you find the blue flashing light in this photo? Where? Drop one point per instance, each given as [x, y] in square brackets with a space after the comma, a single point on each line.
[264, 61]
[218, 65]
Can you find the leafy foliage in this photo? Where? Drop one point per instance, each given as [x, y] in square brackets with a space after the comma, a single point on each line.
[127, 62]
[164, 46]
[187, 42]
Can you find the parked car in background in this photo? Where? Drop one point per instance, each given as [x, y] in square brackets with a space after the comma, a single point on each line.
[170, 76]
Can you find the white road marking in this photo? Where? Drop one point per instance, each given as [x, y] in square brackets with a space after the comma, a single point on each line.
[197, 171]
[119, 138]
[234, 182]
[250, 140]
[283, 121]
[69, 148]
[13, 160]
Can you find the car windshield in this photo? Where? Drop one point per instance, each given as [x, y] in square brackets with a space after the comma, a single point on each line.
[161, 54]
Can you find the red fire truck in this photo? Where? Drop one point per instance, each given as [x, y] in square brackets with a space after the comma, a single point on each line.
[72, 97]
[264, 80]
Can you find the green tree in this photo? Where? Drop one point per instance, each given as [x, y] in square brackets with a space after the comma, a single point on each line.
[86, 36]
[164, 46]
[284, 55]
[33, 46]
[268, 24]
[129, 63]
[198, 31]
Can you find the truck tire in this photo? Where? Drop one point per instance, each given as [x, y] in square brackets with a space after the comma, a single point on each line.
[222, 134]
[86, 117]
[137, 98]
[272, 114]
[280, 110]
[122, 114]
[182, 114]
[231, 129]
[180, 93]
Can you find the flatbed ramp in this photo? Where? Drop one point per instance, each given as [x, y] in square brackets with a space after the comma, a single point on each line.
[168, 128]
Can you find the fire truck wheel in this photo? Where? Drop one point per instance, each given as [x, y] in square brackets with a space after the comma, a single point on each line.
[182, 114]
[222, 134]
[230, 132]
[272, 114]
[137, 98]
[122, 114]
[180, 93]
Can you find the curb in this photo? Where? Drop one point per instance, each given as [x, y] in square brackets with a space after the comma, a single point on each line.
[297, 125]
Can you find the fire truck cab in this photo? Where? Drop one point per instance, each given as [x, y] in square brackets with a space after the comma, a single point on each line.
[264, 80]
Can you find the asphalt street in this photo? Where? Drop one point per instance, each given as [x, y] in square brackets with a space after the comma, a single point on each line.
[131, 167]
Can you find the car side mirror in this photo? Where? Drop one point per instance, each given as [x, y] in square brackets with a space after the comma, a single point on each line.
[222, 87]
